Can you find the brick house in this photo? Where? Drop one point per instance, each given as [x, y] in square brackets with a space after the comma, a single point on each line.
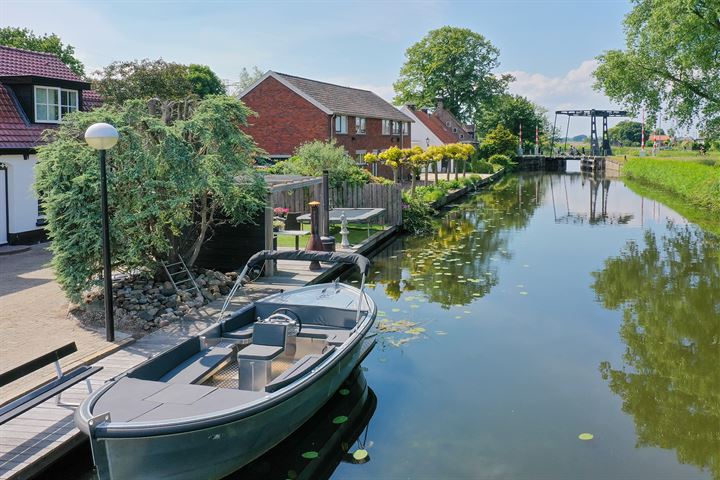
[293, 110]
[36, 90]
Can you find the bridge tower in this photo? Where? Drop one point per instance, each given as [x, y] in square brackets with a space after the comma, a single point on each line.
[595, 147]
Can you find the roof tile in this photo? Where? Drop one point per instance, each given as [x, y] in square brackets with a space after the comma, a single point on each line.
[346, 100]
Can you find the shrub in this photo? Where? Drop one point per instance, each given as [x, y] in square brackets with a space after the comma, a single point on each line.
[502, 160]
[481, 166]
[499, 141]
[313, 157]
[417, 215]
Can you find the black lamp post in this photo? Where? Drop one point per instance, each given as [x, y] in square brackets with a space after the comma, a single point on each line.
[101, 137]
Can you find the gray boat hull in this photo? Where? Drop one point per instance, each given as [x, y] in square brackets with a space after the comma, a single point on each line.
[219, 450]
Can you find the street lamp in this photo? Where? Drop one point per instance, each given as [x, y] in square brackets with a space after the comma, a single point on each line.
[103, 136]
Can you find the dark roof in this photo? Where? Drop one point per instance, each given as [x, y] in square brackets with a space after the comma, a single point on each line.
[16, 62]
[16, 132]
[436, 126]
[345, 100]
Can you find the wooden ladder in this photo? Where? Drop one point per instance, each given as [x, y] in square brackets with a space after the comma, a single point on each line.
[180, 276]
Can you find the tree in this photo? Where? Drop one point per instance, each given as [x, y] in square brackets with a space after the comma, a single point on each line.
[511, 111]
[25, 38]
[500, 141]
[169, 184]
[669, 383]
[312, 158]
[204, 81]
[670, 63]
[452, 64]
[627, 133]
[144, 79]
[246, 78]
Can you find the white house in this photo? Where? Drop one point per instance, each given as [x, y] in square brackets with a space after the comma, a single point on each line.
[438, 127]
[36, 90]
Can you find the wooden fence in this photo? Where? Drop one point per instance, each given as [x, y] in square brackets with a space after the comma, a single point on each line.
[371, 195]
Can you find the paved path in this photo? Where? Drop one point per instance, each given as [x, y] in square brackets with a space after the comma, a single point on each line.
[34, 318]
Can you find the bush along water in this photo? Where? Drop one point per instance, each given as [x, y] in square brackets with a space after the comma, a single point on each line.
[418, 211]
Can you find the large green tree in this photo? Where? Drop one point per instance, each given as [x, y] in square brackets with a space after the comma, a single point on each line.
[452, 64]
[170, 182]
[25, 38]
[144, 79]
[668, 292]
[511, 111]
[671, 62]
[627, 133]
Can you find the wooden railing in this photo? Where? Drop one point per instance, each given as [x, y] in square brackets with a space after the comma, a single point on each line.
[371, 195]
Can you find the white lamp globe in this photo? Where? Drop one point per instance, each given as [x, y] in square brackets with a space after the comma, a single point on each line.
[101, 136]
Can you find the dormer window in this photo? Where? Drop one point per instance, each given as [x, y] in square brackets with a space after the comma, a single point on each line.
[52, 104]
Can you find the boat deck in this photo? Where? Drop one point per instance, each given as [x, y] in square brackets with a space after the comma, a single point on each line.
[37, 438]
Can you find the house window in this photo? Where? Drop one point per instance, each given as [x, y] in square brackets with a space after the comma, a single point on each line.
[462, 136]
[51, 104]
[454, 130]
[406, 128]
[341, 124]
[360, 126]
[396, 128]
[386, 127]
[360, 157]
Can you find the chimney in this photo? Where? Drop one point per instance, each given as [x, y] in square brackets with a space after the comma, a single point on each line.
[411, 106]
[439, 103]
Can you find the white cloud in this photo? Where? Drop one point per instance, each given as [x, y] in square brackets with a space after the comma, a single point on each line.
[570, 91]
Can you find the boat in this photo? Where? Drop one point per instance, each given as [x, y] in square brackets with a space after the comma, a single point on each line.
[222, 398]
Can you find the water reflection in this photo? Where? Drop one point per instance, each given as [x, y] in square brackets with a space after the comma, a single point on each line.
[669, 292]
[331, 436]
[458, 263]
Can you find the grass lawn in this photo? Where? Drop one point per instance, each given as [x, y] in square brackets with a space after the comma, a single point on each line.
[622, 154]
[358, 234]
[697, 183]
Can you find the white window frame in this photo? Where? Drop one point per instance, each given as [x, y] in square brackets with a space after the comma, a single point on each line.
[360, 125]
[387, 127]
[341, 124]
[395, 128]
[406, 128]
[59, 106]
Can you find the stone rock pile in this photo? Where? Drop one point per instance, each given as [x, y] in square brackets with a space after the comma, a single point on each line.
[143, 304]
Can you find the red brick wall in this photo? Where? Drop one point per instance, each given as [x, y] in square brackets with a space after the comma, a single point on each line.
[372, 140]
[285, 120]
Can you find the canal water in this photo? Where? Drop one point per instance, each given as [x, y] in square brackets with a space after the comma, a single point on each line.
[555, 326]
[550, 306]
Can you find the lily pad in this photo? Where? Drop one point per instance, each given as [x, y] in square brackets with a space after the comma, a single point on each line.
[523, 293]
[310, 455]
[395, 310]
[360, 454]
[415, 331]
[586, 436]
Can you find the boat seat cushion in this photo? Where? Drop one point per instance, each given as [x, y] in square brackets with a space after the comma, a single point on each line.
[299, 369]
[198, 366]
[259, 352]
[334, 336]
[270, 334]
[242, 333]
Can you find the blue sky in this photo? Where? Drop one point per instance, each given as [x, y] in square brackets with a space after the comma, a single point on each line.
[548, 45]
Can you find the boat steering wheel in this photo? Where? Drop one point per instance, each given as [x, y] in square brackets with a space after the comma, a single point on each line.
[289, 315]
